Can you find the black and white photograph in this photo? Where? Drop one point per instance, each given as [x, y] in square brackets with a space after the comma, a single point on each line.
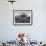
[22, 17]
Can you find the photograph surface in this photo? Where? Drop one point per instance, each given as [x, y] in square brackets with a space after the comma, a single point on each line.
[22, 17]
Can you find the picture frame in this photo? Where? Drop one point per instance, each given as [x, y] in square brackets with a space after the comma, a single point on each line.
[22, 17]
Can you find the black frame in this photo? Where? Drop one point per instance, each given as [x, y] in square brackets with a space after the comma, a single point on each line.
[24, 24]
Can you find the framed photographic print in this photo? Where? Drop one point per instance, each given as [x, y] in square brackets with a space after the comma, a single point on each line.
[22, 17]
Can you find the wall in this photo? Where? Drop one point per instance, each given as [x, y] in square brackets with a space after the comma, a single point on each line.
[38, 30]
